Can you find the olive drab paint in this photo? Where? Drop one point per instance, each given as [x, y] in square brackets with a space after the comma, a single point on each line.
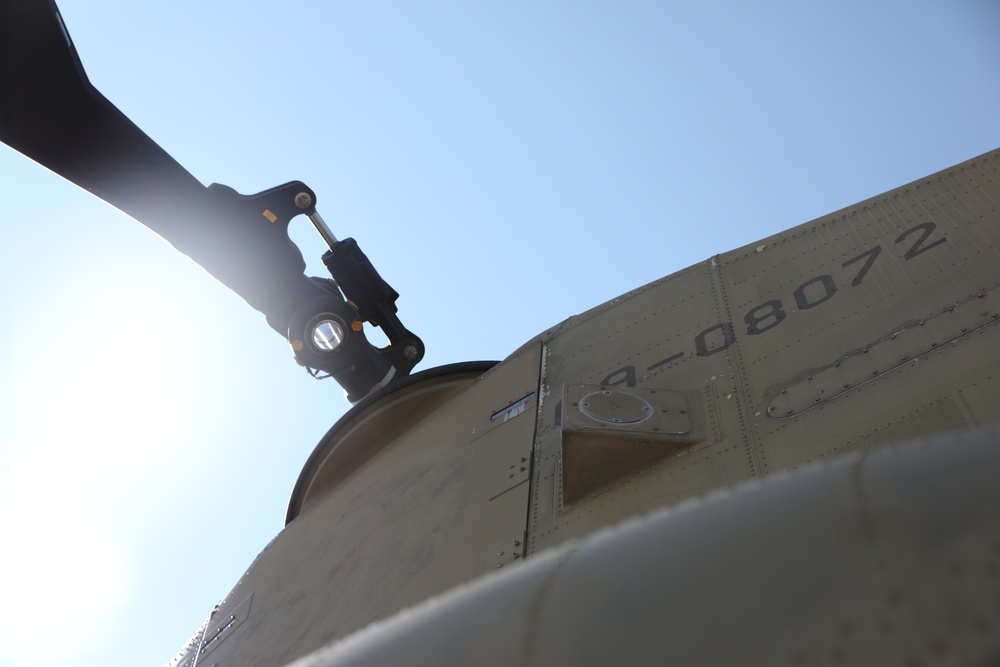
[761, 394]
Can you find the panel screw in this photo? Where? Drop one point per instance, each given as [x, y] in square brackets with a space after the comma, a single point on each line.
[410, 352]
[303, 200]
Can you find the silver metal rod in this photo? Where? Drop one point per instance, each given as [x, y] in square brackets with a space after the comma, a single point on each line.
[323, 230]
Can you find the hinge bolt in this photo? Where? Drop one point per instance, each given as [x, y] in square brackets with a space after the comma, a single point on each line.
[303, 200]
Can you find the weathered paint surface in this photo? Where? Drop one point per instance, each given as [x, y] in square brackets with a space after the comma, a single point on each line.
[873, 325]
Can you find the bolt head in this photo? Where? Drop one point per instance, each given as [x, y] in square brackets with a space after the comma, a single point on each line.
[303, 200]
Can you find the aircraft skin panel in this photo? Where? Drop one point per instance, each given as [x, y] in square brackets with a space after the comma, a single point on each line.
[721, 374]
[656, 339]
[900, 322]
[917, 328]
[441, 503]
[870, 325]
[886, 557]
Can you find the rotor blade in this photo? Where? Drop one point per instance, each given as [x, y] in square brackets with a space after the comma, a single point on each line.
[50, 112]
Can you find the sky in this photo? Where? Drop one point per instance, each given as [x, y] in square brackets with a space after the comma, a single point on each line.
[504, 165]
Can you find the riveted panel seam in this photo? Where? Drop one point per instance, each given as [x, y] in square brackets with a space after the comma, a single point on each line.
[734, 365]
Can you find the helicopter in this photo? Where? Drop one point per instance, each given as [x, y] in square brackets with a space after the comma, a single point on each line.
[806, 293]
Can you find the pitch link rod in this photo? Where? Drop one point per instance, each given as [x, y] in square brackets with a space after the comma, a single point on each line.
[323, 230]
[305, 202]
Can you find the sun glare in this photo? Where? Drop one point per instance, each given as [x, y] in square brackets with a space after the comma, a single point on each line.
[64, 576]
[86, 432]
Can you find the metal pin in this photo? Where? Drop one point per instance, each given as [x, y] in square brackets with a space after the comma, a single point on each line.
[323, 230]
[303, 200]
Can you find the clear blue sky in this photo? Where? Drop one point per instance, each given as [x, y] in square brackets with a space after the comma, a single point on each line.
[505, 165]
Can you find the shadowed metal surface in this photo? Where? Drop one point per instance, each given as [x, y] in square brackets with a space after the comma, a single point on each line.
[886, 557]
[725, 373]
